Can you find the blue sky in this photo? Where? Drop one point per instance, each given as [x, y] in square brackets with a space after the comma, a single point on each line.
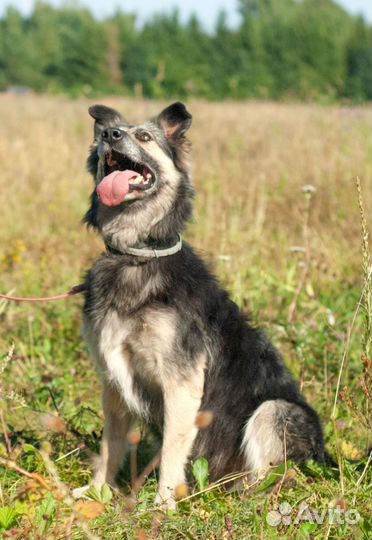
[206, 10]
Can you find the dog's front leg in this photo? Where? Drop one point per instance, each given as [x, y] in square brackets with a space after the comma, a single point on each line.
[181, 406]
[114, 440]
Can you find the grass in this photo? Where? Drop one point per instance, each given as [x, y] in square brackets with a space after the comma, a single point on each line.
[297, 258]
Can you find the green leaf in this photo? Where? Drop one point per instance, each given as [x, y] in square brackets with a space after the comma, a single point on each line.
[48, 505]
[46, 512]
[103, 495]
[200, 470]
[7, 517]
[21, 507]
[28, 448]
[106, 494]
[47, 346]
[93, 493]
[308, 528]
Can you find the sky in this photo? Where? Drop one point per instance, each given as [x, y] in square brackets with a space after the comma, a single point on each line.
[206, 10]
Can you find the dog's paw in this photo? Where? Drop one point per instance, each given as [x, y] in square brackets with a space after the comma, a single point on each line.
[165, 501]
[79, 493]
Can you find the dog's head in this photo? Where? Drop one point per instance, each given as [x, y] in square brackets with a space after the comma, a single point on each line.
[142, 175]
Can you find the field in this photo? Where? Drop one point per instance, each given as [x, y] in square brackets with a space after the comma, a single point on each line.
[278, 216]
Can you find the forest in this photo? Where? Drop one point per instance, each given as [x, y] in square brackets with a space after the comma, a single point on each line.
[288, 49]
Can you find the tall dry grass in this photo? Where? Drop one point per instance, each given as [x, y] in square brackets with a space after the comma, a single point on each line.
[250, 161]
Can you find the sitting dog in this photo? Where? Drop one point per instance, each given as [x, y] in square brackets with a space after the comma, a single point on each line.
[167, 340]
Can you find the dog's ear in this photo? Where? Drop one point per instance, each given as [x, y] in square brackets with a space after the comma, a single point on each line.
[175, 121]
[104, 117]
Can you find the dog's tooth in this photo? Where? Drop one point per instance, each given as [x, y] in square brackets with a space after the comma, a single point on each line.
[148, 175]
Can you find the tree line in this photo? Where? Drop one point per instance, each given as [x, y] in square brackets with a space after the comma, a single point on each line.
[302, 49]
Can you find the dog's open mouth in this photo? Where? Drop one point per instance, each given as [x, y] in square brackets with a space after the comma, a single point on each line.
[141, 176]
[124, 179]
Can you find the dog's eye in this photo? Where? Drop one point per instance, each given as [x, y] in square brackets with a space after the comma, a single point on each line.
[143, 136]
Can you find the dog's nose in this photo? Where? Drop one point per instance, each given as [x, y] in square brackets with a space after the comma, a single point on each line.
[112, 134]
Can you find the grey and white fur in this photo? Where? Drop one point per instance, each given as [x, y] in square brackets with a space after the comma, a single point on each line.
[167, 340]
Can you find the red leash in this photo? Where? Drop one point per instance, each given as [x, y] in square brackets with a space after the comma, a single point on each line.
[75, 290]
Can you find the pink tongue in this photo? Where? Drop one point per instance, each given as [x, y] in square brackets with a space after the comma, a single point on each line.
[114, 187]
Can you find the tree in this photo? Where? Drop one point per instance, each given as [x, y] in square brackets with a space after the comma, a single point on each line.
[358, 80]
[300, 48]
[83, 50]
[319, 35]
[45, 46]
[15, 51]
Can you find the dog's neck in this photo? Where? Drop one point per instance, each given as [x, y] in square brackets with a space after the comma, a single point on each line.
[135, 231]
[155, 223]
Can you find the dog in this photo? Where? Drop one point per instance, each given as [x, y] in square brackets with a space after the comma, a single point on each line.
[167, 340]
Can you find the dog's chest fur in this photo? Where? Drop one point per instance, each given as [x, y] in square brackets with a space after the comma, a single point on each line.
[131, 347]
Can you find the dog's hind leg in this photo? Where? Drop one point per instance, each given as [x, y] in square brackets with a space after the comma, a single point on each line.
[114, 440]
[182, 402]
[279, 430]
